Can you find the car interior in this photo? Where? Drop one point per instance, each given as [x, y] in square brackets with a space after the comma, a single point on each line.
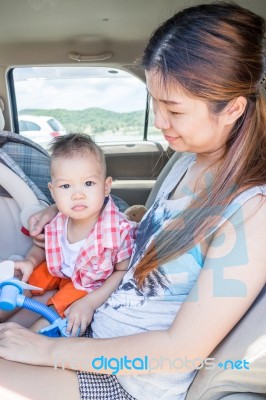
[77, 62]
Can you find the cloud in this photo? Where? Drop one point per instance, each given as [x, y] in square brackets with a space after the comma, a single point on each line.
[78, 88]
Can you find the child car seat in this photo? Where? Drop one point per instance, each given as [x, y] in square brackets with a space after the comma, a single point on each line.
[30, 163]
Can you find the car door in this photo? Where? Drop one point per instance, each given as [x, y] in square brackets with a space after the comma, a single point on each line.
[134, 168]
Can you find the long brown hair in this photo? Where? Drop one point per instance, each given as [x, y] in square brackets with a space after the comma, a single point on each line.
[215, 52]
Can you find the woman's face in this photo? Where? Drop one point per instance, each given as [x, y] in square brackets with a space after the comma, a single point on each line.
[185, 120]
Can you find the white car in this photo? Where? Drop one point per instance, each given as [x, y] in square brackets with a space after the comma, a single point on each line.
[40, 129]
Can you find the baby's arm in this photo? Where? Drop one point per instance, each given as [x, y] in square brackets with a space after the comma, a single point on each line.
[80, 312]
[34, 257]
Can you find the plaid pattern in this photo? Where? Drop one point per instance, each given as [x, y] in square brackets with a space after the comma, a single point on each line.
[29, 161]
[110, 242]
[100, 386]
[9, 162]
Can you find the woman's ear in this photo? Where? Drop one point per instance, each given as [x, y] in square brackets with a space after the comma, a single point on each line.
[108, 185]
[235, 108]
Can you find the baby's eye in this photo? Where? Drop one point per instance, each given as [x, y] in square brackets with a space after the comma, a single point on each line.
[89, 183]
[65, 186]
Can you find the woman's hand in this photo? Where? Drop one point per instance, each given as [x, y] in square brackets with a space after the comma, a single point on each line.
[21, 345]
[38, 221]
[79, 315]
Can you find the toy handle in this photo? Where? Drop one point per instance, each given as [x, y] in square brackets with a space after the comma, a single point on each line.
[8, 297]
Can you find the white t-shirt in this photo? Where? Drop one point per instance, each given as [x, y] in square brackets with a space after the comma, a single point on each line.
[70, 253]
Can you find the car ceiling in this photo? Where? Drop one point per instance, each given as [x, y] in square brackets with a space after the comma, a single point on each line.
[46, 31]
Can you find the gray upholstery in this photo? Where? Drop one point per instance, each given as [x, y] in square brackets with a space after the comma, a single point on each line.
[247, 341]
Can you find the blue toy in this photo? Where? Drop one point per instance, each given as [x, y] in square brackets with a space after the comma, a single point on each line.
[11, 296]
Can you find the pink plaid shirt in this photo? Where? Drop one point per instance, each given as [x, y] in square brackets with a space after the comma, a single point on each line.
[110, 242]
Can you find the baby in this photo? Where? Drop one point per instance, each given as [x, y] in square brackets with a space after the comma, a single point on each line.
[87, 242]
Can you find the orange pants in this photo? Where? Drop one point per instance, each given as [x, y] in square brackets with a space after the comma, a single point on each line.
[66, 294]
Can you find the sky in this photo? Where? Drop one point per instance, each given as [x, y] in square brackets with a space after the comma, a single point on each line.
[78, 88]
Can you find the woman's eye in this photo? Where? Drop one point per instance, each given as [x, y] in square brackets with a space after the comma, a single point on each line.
[65, 186]
[174, 112]
[88, 183]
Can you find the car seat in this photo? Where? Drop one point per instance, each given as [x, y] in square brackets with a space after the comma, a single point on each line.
[24, 175]
[163, 174]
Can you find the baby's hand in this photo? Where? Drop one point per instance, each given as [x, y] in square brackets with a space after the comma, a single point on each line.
[23, 269]
[79, 315]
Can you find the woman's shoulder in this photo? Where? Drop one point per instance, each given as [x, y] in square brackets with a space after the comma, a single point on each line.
[245, 199]
[248, 201]
[253, 203]
[250, 193]
[244, 214]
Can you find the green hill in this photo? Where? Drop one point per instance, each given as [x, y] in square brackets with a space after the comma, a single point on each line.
[93, 120]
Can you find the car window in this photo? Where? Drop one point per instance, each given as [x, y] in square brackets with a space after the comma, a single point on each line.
[28, 126]
[107, 103]
[22, 126]
[154, 133]
[55, 125]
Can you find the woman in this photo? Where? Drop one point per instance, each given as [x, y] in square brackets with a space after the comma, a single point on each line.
[205, 230]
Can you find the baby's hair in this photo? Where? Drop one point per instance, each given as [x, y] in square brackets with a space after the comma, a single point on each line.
[73, 144]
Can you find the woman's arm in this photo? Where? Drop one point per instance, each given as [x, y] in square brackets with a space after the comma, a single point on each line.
[202, 322]
[38, 221]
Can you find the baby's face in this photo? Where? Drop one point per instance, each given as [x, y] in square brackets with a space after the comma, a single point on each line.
[79, 186]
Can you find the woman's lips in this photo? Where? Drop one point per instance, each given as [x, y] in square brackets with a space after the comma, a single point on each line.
[171, 139]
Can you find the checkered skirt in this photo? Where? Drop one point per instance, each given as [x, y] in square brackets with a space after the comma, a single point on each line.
[94, 386]
[101, 387]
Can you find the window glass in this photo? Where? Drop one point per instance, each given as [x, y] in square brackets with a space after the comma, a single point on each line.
[31, 126]
[109, 104]
[154, 133]
[22, 126]
[55, 125]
